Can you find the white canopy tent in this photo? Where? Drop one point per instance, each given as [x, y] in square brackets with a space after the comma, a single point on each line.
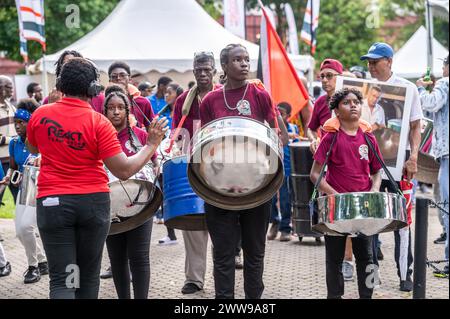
[411, 60]
[159, 36]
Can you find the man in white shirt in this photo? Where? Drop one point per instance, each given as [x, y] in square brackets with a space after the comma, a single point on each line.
[371, 111]
[379, 61]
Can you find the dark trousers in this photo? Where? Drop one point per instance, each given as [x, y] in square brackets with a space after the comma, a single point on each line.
[387, 186]
[73, 232]
[335, 250]
[14, 189]
[225, 227]
[131, 251]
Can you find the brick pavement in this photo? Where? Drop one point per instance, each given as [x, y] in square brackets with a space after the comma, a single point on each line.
[292, 270]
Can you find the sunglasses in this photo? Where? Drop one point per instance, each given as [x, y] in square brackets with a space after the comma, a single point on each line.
[328, 76]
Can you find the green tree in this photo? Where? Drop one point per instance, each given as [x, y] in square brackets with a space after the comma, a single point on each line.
[58, 35]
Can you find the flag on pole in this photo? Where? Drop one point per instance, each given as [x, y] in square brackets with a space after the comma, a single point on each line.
[234, 17]
[310, 24]
[31, 20]
[292, 29]
[278, 73]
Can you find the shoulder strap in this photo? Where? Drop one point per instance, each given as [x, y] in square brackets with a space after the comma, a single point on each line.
[386, 170]
[322, 171]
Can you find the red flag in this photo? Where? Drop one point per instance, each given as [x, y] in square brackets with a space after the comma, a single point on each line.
[279, 75]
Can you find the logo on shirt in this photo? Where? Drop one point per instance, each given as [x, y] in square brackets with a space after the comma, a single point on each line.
[243, 107]
[56, 133]
[364, 152]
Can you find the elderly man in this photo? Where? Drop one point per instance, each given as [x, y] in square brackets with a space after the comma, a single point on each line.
[379, 61]
[436, 102]
[7, 129]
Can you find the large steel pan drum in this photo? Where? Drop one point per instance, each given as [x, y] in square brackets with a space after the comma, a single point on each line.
[236, 163]
[28, 186]
[183, 209]
[133, 201]
[359, 213]
[427, 166]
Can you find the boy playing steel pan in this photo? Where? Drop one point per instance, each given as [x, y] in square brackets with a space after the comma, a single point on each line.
[352, 167]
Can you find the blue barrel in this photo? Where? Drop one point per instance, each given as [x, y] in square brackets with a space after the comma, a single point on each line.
[182, 208]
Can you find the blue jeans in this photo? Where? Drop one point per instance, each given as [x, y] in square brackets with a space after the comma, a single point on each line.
[285, 206]
[443, 184]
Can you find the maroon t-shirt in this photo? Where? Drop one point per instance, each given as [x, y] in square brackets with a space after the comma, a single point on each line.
[124, 139]
[193, 116]
[213, 106]
[142, 105]
[351, 161]
[321, 113]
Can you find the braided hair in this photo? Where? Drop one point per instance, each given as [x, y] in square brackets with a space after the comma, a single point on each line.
[126, 101]
[59, 63]
[224, 56]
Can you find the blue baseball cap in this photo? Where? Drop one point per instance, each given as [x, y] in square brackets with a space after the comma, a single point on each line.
[379, 50]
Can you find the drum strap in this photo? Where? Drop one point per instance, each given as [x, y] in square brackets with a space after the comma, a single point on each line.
[322, 171]
[386, 170]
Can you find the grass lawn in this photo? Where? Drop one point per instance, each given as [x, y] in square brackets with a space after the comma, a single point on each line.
[7, 210]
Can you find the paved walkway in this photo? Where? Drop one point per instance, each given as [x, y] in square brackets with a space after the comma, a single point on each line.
[292, 270]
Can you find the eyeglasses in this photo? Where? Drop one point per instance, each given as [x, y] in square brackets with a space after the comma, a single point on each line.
[113, 108]
[329, 76]
[115, 76]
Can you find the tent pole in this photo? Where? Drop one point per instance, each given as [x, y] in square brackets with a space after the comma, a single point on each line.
[429, 24]
[44, 76]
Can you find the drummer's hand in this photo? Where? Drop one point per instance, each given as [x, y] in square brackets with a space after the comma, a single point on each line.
[157, 131]
[410, 168]
[5, 181]
[313, 146]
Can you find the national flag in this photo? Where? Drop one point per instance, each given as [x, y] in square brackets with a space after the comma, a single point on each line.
[31, 15]
[310, 24]
[278, 73]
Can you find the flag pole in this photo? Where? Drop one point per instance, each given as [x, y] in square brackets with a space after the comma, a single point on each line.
[44, 75]
[312, 28]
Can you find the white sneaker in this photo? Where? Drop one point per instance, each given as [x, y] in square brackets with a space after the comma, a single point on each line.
[347, 270]
[167, 241]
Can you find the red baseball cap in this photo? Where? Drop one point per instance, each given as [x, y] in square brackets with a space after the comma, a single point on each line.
[332, 64]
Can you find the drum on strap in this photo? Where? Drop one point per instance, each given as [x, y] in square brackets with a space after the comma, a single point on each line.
[182, 208]
[301, 164]
[236, 163]
[133, 201]
[28, 185]
[366, 213]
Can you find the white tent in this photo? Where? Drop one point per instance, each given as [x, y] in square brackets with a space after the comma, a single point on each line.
[161, 36]
[411, 60]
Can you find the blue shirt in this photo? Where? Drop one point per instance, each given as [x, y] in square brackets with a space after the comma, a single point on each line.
[157, 104]
[291, 128]
[1, 173]
[19, 151]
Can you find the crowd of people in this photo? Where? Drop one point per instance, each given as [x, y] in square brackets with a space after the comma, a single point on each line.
[82, 127]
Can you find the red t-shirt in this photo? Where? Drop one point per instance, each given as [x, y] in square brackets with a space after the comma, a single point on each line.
[194, 114]
[351, 161]
[321, 113]
[73, 141]
[213, 106]
[96, 102]
[124, 139]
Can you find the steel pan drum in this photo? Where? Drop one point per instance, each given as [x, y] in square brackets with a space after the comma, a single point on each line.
[182, 208]
[427, 166]
[28, 185]
[359, 213]
[236, 163]
[133, 201]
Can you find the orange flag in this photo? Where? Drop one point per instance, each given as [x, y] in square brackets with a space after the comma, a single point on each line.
[279, 75]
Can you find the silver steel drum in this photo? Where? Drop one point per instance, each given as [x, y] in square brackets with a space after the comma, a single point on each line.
[28, 185]
[133, 201]
[236, 163]
[427, 166]
[359, 213]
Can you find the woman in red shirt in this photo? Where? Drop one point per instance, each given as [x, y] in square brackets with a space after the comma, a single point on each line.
[73, 204]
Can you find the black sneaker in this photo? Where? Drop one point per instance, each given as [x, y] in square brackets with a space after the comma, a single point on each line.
[43, 268]
[190, 288]
[32, 275]
[441, 239]
[5, 270]
[406, 285]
